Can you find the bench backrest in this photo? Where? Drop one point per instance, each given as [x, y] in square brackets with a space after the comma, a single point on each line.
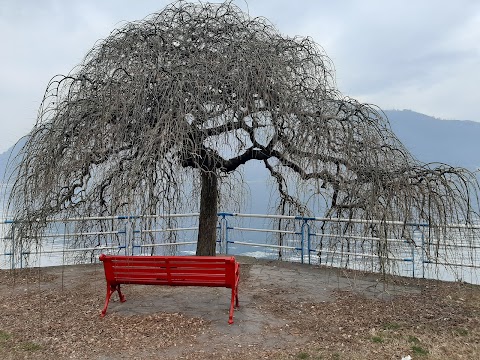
[170, 270]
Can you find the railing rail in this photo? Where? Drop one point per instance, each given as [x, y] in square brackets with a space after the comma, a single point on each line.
[313, 240]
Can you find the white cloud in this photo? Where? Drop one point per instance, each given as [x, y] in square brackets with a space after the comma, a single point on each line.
[422, 55]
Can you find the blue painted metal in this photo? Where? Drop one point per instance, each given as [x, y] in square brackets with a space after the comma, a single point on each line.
[128, 217]
[423, 255]
[228, 228]
[305, 218]
[413, 259]
[223, 227]
[302, 242]
[227, 240]
[13, 246]
[306, 246]
[224, 214]
[65, 230]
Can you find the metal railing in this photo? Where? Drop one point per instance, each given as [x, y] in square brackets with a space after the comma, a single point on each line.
[409, 250]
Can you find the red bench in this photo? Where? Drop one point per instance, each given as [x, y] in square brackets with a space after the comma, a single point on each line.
[217, 271]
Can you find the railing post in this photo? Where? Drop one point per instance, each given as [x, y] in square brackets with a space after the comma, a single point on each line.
[223, 232]
[127, 239]
[133, 232]
[418, 243]
[21, 255]
[413, 259]
[302, 232]
[132, 221]
[304, 226]
[309, 245]
[305, 233]
[13, 245]
[227, 240]
[423, 255]
[65, 229]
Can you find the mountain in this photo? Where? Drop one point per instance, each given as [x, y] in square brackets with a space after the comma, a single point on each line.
[7, 159]
[455, 142]
[429, 139]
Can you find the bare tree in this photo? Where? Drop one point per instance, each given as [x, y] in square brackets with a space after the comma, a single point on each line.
[182, 99]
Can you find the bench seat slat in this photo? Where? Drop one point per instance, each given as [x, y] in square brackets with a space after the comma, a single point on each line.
[185, 282]
[169, 266]
[199, 277]
[179, 259]
[146, 272]
[169, 271]
[212, 265]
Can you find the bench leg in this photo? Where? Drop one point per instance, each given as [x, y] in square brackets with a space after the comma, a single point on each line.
[233, 301]
[122, 297]
[110, 290]
[236, 299]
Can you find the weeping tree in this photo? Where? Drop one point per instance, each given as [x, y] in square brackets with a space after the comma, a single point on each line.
[161, 115]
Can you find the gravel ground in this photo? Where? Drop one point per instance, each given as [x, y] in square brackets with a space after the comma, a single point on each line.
[287, 311]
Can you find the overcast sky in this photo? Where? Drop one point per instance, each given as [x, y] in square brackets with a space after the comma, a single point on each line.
[422, 55]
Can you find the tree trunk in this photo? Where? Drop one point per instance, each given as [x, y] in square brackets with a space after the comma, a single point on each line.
[207, 227]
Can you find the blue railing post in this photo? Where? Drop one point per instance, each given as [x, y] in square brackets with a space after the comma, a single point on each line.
[21, 255]
[301, 236]
[310, 250]
[125, 234]
[134, 232]
[124, 231]
[224, 232]
[227, 240]
[125, 245]
[423, 254]
[13, 245]
[302, 232]
[65, 230]
[309, 245]
[413, 259]
[305, 233]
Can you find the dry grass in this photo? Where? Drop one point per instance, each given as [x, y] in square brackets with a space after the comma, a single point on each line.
[39, 320]
[42, 322]
[440, 323]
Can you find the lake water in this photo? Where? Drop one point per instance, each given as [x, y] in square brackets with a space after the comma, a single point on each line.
[127, 238]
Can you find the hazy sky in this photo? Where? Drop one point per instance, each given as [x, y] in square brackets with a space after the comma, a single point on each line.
[422, 55]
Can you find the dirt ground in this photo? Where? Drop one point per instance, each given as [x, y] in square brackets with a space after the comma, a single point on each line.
[287, 311]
